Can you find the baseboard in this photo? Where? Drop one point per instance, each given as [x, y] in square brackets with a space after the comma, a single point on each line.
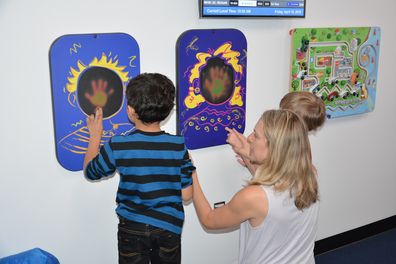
[345, 238]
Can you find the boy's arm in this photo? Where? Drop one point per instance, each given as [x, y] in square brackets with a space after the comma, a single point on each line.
[98, 164]
[95, 127]
[186, 176]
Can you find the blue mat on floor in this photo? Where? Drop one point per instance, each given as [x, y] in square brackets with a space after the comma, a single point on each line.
[32, 256]
[378, 249]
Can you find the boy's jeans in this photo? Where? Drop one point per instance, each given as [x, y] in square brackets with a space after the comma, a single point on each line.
[141, 243]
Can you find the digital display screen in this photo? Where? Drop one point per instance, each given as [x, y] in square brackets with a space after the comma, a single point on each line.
[250, 8]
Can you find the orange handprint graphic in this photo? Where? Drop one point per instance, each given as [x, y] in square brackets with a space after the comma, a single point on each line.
[100, 93]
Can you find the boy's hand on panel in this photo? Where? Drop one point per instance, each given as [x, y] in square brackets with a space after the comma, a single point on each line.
[95, 124]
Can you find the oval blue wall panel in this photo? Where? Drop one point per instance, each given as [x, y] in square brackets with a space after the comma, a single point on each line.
[89, 71]
[211, 85]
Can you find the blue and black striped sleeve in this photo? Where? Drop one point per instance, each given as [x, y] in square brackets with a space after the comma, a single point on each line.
[187, 169]
[102, 165]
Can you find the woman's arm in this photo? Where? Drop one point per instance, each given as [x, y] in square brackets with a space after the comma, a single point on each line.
[187, 193]
[240, 146]
[238, 142]
[246, 204]
[250, 166]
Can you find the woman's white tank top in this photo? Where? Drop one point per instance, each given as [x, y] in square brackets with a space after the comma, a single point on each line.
[287, 235]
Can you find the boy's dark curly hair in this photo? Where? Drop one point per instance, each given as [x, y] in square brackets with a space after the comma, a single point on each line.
[152, 96]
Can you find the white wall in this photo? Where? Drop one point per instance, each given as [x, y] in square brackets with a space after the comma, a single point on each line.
[43, 205]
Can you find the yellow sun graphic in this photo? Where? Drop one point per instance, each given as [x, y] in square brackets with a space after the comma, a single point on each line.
[194, 97]
[71, 86]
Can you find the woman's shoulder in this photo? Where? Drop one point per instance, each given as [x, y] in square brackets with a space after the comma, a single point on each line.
[255, 199]
[253, 189]
[254, 195]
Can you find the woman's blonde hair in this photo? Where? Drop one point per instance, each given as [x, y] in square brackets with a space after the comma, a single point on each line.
[288, 165]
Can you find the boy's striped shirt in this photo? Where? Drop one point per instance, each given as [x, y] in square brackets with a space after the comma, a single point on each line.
[153, 168]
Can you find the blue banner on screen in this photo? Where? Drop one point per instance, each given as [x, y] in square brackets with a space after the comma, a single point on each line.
[250, 8]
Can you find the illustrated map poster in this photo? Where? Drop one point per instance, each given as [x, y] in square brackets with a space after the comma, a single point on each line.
[90, 71]
[211, 82]
[340, 65]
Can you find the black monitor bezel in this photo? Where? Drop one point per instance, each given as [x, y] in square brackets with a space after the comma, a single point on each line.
[201, 15]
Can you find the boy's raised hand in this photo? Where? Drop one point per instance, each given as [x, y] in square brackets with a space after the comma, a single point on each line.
[238, 142]
[95, 127]
[95, 124]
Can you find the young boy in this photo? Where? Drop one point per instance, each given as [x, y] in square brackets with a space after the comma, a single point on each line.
[309, 107]
[155, 173]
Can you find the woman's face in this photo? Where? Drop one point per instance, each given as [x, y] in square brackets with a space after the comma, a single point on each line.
[258, 144]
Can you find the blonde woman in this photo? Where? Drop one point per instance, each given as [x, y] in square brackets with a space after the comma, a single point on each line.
[277, 211]
[306, 105]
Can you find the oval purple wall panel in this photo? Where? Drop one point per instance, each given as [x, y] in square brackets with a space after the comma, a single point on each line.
[211, 85]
